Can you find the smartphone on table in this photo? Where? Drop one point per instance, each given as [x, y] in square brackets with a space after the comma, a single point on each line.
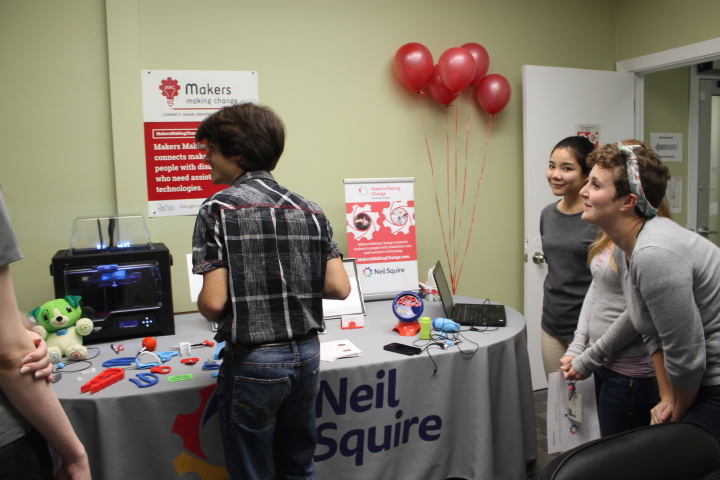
[402, 349]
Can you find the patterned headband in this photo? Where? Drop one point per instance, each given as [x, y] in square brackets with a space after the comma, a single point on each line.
[633, 171]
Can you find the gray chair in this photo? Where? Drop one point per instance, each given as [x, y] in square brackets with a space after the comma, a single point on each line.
[669, 451]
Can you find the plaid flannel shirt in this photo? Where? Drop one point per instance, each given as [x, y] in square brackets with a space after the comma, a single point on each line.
[275, 245]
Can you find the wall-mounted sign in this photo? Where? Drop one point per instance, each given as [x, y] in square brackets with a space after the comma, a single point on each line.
[174, 104]
[668, 145]
[591, 131]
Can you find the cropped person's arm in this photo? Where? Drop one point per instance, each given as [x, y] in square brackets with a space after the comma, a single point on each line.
[620, 333]
[213, 298]
[33, 398]
[664, 279]
[582, 332]
[674, 401]
[337, 283]
[662, 412]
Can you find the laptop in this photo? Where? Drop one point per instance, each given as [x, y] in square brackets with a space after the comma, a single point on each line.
[467, 314]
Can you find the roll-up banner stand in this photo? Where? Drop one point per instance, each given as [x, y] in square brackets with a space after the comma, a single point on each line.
[380, 223]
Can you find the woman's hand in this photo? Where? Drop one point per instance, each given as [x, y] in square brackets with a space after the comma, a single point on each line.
[567, 359]
[661, 413]
[38, 361]
[570, 373]
[77, 470]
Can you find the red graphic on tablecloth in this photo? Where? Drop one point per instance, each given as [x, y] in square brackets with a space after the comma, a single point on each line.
[190, 427]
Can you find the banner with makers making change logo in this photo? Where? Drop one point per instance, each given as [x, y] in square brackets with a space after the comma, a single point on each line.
[174, 104]
[380, 222]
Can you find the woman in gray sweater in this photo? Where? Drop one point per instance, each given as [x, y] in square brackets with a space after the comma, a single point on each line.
[669, 276]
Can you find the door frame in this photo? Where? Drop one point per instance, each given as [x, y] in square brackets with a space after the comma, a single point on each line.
[685, 56]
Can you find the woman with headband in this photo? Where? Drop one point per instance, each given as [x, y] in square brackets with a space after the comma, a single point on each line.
[625, 385]
[670, 278]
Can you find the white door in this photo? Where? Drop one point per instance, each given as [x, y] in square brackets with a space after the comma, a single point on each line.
[555, 102]
[708, 196]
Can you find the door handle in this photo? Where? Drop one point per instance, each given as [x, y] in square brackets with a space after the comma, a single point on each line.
[705, 231]
[538, 258]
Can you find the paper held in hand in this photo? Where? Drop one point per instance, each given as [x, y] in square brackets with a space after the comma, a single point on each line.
[331, 351]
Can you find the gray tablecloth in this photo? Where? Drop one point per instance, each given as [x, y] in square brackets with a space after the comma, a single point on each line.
[380, 416]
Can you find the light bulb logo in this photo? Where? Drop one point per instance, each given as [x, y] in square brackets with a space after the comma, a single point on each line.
[170, 89]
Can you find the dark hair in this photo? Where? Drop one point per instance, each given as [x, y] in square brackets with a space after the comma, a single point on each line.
[654, 174]
[254, 132]
[579, 147]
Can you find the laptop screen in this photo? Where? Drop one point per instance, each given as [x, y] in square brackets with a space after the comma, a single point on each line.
[444, 290]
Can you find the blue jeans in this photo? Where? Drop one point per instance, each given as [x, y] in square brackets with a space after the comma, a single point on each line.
[267, 410]
[705, 410]
[623, 402]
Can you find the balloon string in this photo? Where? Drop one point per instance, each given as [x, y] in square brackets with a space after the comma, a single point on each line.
[480, 178]
[447, 178]
[432, 170]
[455, 192]
[465, 177]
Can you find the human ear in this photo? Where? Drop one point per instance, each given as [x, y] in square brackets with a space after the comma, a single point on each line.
[629, 202]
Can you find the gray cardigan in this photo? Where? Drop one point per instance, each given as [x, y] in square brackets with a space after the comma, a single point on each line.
[672, 290]
[603, 305]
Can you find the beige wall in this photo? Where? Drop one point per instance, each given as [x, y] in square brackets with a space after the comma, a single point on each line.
[55, 135]
[667, 97]
[648, 26]
[72, 116]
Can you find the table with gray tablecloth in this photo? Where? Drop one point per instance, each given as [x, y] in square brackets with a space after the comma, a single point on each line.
[465, 411]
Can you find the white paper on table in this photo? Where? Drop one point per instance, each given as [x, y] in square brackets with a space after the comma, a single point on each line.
[562, 433]
[331, 351]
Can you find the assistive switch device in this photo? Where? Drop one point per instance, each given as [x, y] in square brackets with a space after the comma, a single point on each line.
[149, 343]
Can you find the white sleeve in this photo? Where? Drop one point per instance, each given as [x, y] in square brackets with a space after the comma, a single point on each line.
[582, 333]
[620, 333]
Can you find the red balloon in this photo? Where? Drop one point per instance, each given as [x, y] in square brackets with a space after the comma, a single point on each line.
[457, 67]
[493, 93]
[437, 89]
[482, 61]
[412, 64]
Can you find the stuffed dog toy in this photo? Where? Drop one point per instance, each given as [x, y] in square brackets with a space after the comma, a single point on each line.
[60, 325]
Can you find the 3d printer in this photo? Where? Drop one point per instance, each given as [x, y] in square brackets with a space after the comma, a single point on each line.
[122, 277]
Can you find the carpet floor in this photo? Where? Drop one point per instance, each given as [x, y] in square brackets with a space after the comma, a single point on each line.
[543, 458]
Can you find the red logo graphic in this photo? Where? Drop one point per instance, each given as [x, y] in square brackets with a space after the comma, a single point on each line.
[170, 89]
[194, 428]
